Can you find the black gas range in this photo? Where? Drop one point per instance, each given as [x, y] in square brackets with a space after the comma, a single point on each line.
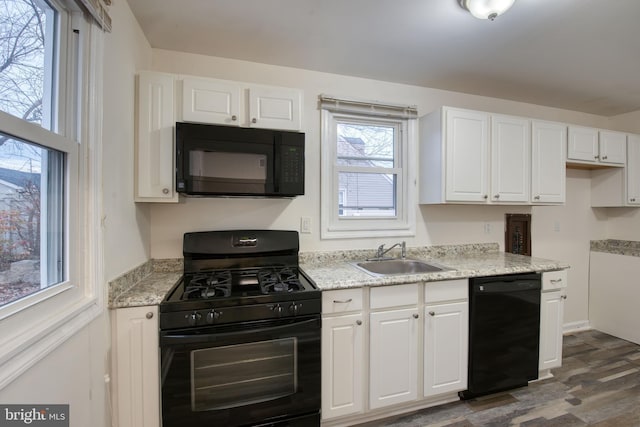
[240, 333]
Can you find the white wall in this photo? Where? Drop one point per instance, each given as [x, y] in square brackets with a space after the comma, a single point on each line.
[74, 372]
[435, 224]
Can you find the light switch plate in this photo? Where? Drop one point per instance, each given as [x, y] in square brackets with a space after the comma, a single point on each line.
[305, 224]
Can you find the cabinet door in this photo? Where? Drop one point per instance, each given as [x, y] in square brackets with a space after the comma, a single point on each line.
[467, 156]
[210, 101]
[275, 108]
[548, 172]
[510, 159]
[155, 153]
[342, 365]
[613, 147]
[551, 321]
[446, 337]
[137, 390]
[633, 170]
[393, 356]
[583, 144]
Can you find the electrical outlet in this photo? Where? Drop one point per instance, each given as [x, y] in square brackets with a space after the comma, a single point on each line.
[487, 228]
[305, 224]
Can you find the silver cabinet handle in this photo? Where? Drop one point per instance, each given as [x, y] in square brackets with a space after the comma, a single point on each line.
[485, 197]
[165, 191]
[149, 315]
[432, 313]
[554, 281]
[536, 198]
[415, 316]
[604, 157]
[234, 118]
[497, 196]
[632, 200]
[254, 120]
[564, 297]
[358, 322]
[346, 301]
[596, 157]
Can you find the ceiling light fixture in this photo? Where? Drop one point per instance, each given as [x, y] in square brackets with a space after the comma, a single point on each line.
[486, 9]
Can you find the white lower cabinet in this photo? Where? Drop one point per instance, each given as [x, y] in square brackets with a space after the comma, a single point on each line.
[342, 365]
[446, 342]
[551, 319]
[393, 357]
[136, 367]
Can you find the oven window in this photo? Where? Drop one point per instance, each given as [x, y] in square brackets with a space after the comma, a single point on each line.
[243, 374]
[230, 166]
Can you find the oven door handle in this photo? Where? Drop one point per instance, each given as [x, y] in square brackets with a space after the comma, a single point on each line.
[177, 339]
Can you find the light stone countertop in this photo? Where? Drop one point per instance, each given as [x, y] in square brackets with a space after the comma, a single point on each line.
[148, 284]
[335, 272]
[617, 247]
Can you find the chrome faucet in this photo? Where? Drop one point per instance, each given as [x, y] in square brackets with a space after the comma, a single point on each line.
[380, 253]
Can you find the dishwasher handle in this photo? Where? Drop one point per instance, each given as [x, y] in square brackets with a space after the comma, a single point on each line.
[506, 286]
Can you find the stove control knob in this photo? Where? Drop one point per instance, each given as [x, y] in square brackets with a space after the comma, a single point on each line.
[295, 308]
[193, 318]
[277, 309]
[212, 316]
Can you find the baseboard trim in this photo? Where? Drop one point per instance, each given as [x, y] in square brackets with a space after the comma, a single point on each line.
[582, 325]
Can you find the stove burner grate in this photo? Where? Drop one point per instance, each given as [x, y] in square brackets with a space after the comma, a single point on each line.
[280, 280]
[209, 285]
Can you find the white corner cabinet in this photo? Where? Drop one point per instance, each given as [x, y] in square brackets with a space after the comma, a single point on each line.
[163, 99]
[477, 157]
[552, 299]
[135, 366]
[383, 350]
[591, 147]
[619, 187]
[240, 104]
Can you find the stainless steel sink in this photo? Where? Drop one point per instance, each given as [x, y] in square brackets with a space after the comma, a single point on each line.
[398, 266]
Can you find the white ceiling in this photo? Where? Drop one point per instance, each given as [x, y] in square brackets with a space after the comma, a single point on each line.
[581, 55]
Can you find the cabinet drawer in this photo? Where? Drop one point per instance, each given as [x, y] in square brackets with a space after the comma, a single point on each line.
[341, 301]
[393, 296]
[447, 290]
[554, 280]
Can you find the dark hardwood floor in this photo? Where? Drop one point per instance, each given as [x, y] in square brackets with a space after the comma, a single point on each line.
[597, 385]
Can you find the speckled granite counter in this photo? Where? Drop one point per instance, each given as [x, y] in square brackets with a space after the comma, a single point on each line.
[333, 270]
[618, 247]
[146, 284]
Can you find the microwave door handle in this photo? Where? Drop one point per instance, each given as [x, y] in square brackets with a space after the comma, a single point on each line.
[277, 152]
[180, 339]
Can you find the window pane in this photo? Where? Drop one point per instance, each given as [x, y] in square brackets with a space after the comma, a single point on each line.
[31, 218]
[27, 29]
[366, 145]
[366, 194]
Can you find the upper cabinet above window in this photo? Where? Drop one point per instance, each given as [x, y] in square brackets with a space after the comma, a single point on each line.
[231, 103]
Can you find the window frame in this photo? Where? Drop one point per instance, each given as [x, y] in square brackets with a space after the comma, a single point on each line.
[35, 325]
[403, 223]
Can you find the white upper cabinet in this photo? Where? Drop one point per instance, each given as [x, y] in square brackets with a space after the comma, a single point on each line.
[548, 170]
[616, 187]
[474, 157]
[155, 147]
[613, 147]
[231, 103]
[275, 108]
[510, 159]
[210, 101]
[633, 170]
[588, 145]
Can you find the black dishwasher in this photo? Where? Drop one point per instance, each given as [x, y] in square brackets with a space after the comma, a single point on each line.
[504, 332]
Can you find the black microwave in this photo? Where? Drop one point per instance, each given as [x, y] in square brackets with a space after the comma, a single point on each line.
[216, 160]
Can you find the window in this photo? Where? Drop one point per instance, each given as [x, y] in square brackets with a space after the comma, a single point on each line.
[368, 180]
[45, 79]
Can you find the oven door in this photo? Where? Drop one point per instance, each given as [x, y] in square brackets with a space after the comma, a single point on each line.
[258, 372]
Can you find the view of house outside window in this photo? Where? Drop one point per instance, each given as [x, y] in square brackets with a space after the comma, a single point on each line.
[366, 156]
[31, 175]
